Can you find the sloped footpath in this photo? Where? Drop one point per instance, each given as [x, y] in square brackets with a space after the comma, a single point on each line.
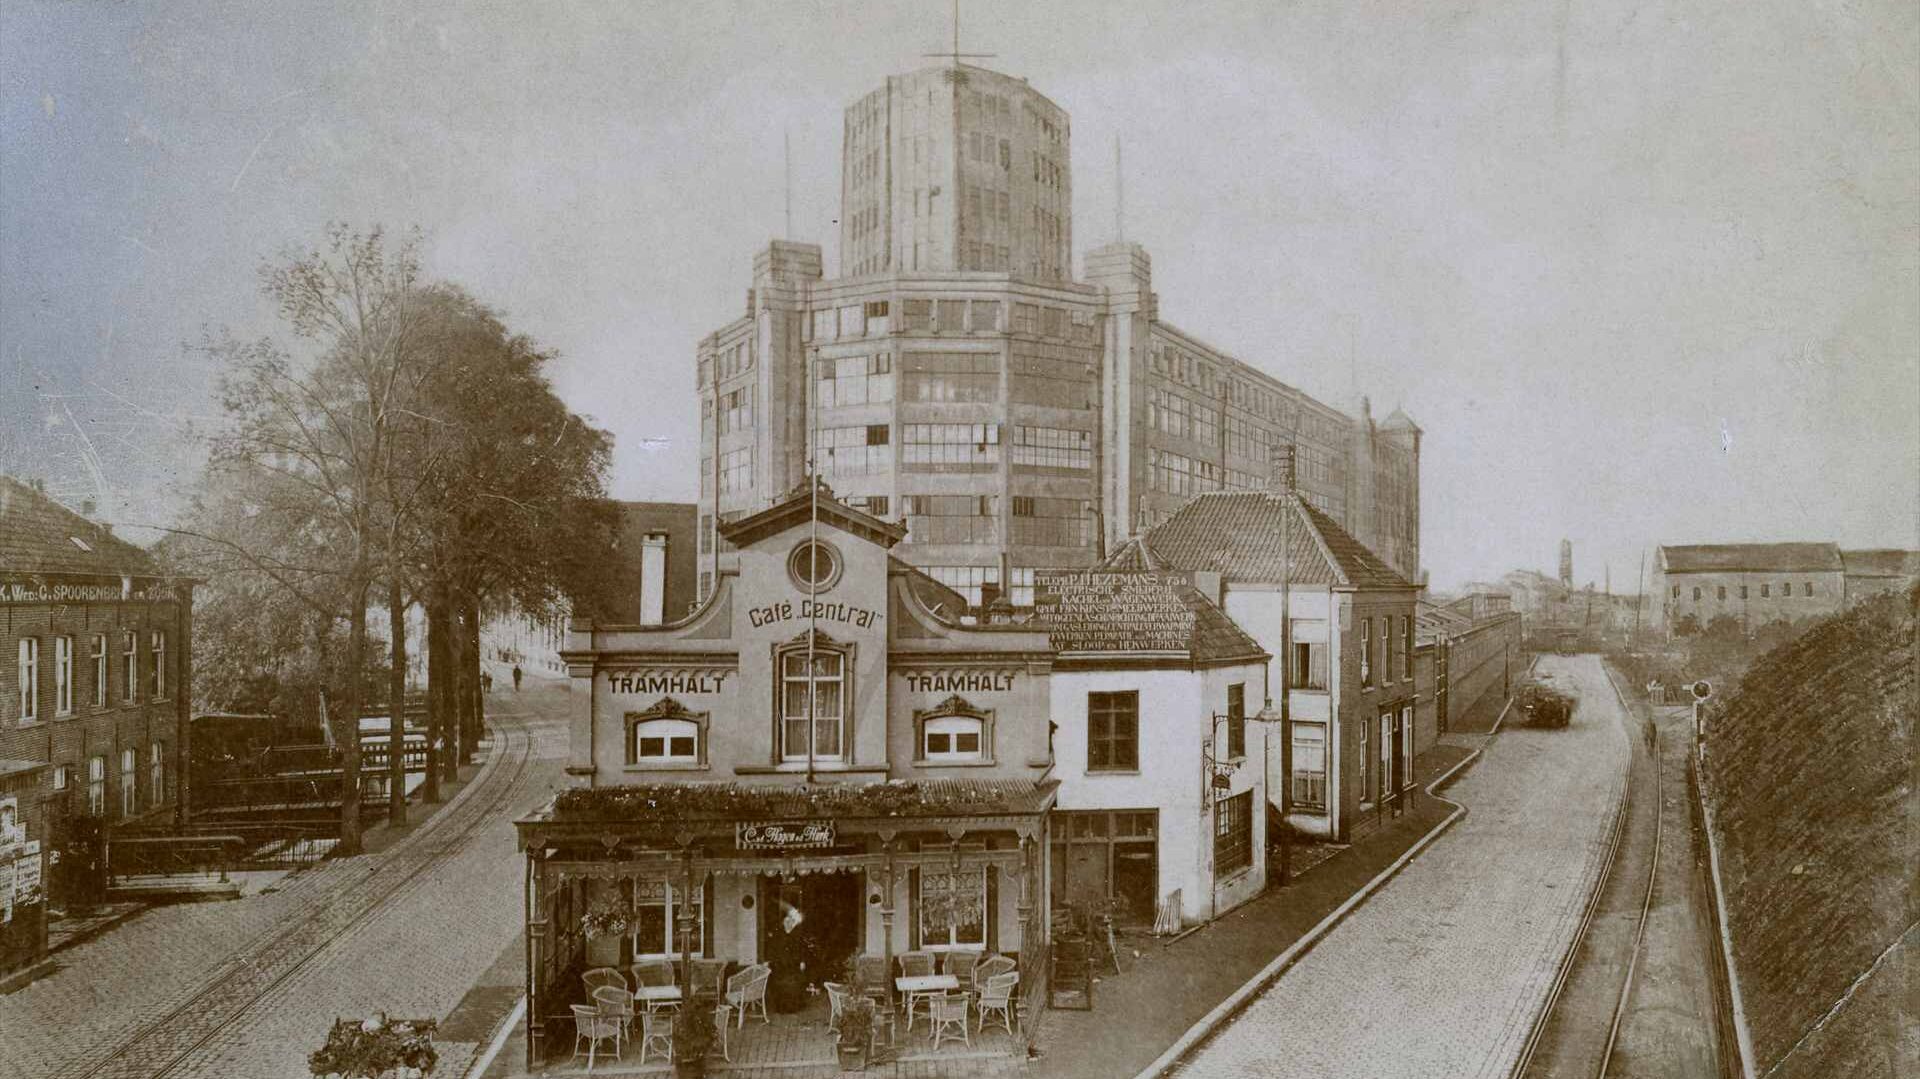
[1166, 991]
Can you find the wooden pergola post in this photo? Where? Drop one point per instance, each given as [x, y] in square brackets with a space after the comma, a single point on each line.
[886, 915]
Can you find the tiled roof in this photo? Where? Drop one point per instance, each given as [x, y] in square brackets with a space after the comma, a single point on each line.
[1132, 612]
[1240, 534]
[1881, 562]
[38, 535]
[1752, 557]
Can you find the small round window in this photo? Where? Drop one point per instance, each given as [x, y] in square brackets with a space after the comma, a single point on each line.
[814, 565]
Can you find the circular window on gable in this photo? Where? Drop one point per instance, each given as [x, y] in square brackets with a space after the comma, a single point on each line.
[814, 565]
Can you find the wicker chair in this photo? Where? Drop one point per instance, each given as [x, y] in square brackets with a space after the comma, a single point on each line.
[591, 1027]
[654, 972]
[656, 1035]
[991, 966]
[916, 965]
[617, 1003]
[748, 990]
[949, 1014]
[837, 997]
[709, 977]
[997, 996]
[600, 976]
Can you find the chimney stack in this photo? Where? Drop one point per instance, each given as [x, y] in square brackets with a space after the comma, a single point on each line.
[1280, 476]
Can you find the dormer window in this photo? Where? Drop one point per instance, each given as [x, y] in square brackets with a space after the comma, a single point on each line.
[666, 736]
[954, 732]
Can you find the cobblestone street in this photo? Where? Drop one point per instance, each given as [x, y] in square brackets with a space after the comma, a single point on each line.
[405, 931]
[1442, 972]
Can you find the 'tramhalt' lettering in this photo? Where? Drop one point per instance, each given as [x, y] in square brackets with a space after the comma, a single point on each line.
[961, 682]
[669, 682]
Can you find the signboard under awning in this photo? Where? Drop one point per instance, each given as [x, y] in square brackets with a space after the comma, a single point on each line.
[783, 835]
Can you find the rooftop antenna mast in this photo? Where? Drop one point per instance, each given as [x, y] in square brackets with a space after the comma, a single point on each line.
[1119, 195]
[956, 55]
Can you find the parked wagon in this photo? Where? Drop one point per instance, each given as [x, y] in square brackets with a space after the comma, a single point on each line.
[1545, 706]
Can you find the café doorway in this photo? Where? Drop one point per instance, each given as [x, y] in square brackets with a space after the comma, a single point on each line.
[810, 925]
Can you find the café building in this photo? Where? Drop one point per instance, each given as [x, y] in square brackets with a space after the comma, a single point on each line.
[820, 762]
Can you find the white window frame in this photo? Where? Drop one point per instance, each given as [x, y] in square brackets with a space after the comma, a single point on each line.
[129, 781]
[157, 773]
[159, 639]
[1406, 744]
[667, 947]
[100, 684]
[97, 785]
[130, 651]
[952, 727]
[950, 943]
[29, 672]
[1309, 777]
[1386, 753]
[797, 656]
[63, 676]
[62, 776]
[667, 730]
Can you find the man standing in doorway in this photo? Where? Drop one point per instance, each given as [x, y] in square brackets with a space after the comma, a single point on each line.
[516, 678]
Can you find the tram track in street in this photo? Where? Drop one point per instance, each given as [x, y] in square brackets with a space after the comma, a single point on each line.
[166, 1044]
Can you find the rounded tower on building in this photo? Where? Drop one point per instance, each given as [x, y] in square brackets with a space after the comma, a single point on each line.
[956, 168]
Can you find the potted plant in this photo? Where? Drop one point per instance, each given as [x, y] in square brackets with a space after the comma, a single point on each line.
[693, 1035]
[853, 1033]
[608, 916]
[377, 1049]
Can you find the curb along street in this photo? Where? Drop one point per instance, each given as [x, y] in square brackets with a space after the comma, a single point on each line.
[1259, 983]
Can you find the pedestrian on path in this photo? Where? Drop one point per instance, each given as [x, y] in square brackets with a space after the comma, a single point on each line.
[516, 678]
[486, 682]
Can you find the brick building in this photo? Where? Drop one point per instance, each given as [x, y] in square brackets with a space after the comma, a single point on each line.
[957, 379]
[94, 681]
[1350, 676]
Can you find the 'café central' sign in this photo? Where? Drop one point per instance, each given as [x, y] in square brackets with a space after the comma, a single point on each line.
[784, 835]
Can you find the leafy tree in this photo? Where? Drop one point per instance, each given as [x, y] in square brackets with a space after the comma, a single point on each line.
[297, 473]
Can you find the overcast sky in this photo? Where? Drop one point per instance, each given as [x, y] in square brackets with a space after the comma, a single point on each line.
[1644, 272]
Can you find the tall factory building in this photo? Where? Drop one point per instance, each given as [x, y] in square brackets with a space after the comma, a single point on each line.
[955, 378]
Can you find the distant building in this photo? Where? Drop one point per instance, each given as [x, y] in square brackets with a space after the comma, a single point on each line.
[956, 378]
[95, 678]
[1871, 572]
[1754, 583]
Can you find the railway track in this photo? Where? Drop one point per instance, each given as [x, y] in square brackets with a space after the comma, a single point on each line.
[1646, 903]
[1531, 1064]
[164, 1045]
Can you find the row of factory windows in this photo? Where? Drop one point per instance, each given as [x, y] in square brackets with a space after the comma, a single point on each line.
[950, 377]
[873, 319]
[29, 673]
[96, 789]
[1766, 591]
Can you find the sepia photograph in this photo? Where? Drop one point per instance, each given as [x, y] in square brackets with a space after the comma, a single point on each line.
[959, 539]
